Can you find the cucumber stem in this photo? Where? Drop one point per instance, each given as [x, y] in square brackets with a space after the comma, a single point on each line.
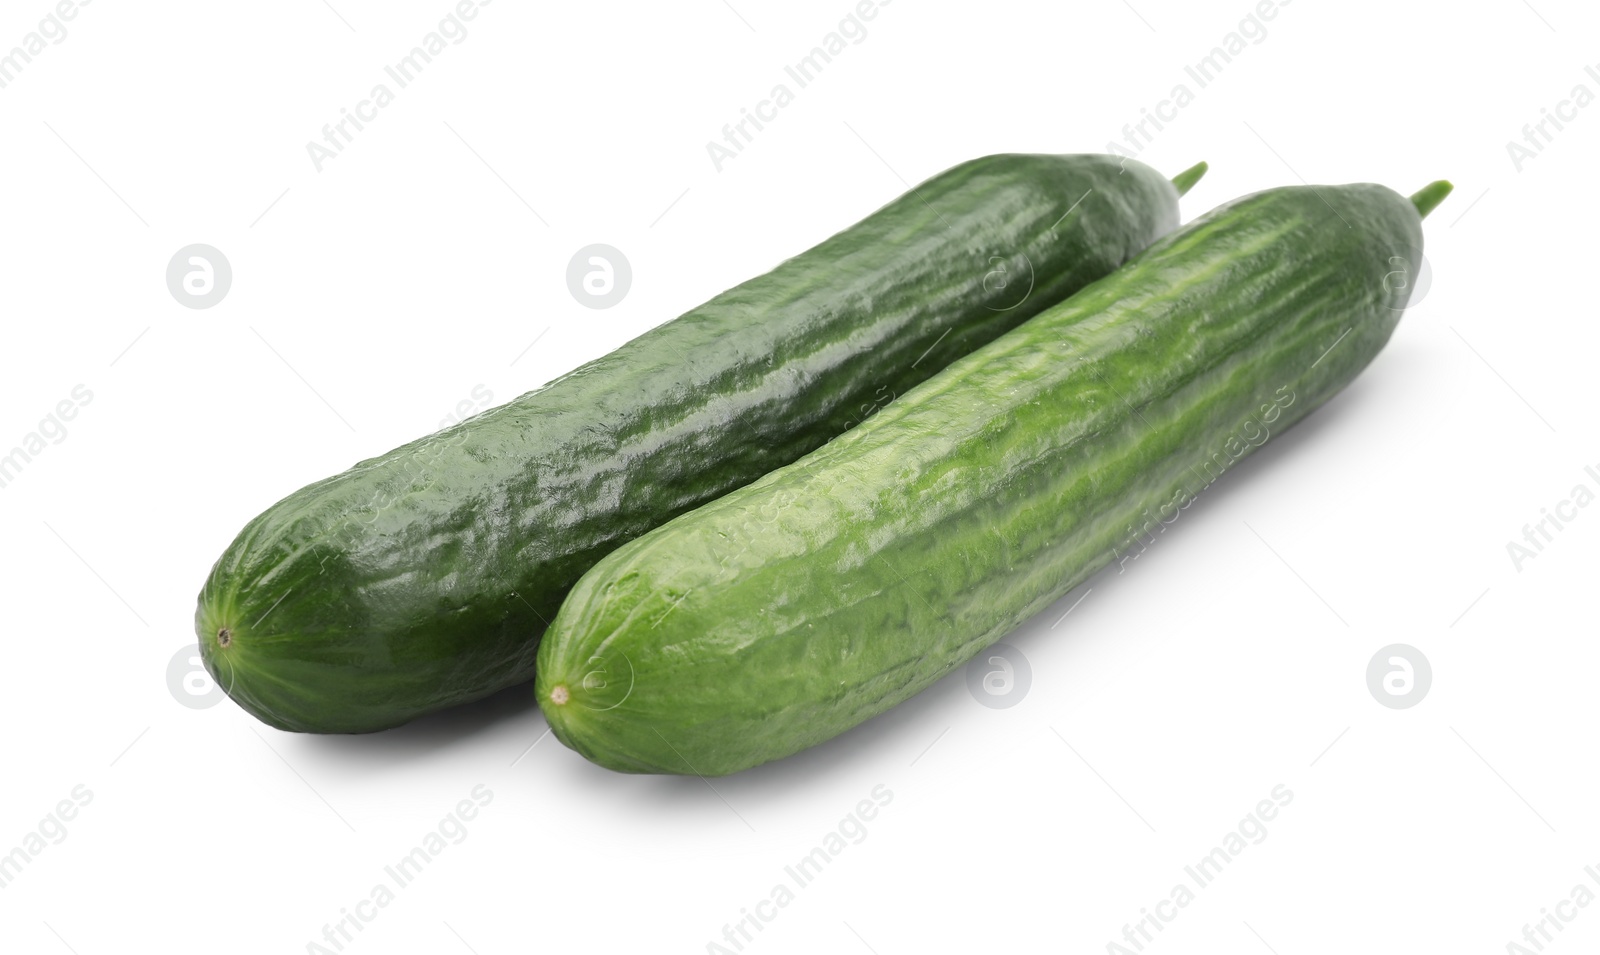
[1428, 197]
[1184, 181]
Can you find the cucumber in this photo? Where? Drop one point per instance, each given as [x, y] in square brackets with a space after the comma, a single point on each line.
[799, 606]
[423, 578]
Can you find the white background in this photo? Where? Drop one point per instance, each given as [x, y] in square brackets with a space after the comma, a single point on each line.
[372, 297]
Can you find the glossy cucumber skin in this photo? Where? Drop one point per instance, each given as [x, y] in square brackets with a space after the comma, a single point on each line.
[424, 577]
[793, 609]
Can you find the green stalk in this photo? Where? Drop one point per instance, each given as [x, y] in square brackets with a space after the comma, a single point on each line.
[1185, 180]
[1425, 199]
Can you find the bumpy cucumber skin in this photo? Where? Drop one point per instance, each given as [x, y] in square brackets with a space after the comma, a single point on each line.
[423, 578]
[795, 608]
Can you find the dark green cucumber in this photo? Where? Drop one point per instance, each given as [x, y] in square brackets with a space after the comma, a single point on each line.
[423, 578]
[799, 606]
